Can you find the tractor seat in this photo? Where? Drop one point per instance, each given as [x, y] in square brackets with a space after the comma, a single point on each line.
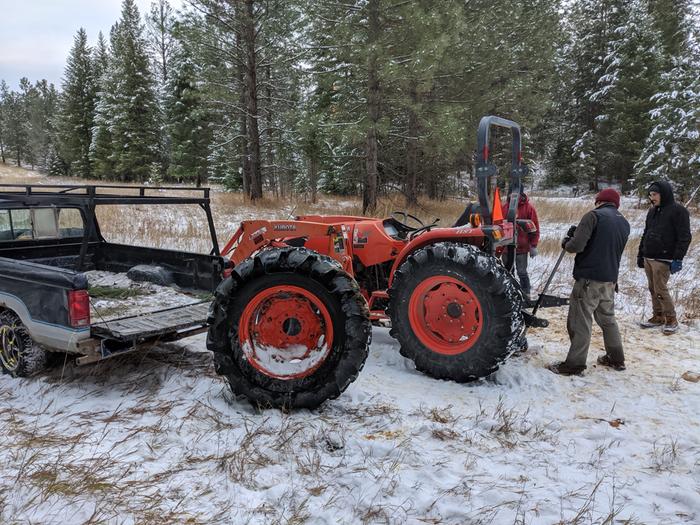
[396, 230]
[470, 209]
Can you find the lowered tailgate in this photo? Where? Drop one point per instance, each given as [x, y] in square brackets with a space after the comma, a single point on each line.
[169, 324]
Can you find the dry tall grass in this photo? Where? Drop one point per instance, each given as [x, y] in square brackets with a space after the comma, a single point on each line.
[185, 227]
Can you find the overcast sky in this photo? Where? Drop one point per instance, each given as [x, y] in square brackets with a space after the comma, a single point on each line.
[36, 35]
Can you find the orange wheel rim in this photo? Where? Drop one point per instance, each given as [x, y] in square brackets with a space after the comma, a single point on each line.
[445, 315]
[286, 332]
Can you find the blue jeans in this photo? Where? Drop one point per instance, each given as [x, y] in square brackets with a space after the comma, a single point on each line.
[521, 267]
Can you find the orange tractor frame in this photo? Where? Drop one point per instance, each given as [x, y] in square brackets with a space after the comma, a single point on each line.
[290, 324]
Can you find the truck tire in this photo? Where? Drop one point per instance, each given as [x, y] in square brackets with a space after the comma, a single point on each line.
[289, 329]
[456, 311]
[20, 356]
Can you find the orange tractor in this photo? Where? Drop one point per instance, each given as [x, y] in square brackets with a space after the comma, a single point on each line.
[290, 326]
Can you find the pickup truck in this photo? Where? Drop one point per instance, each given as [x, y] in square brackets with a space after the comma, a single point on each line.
[50, 236]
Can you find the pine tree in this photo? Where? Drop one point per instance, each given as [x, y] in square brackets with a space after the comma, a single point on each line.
[248, 65]
[671, 20]
[576, 148]
[4, 95]
[352, 43]
[102, 155]
[100, 58]
[41, 102]
[126, 130]
[160, 23]
[672, 149]
[189, 121]
[100, 152]
[630, 78]
[15, 123]
[78, 108]
[610, 71]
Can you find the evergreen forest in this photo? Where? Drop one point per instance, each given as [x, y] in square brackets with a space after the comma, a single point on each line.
[369, 97]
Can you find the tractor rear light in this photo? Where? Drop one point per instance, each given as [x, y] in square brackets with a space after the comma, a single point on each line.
[79, 308]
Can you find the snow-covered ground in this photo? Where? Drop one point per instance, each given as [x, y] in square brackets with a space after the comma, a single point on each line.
[155, 437]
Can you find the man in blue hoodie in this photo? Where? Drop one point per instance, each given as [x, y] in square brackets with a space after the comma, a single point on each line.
[664, 243]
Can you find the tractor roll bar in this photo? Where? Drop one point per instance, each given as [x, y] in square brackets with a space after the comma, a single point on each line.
[486, 169]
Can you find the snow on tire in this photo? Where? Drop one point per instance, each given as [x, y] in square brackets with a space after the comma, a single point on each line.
[289, 329]
[456, 311]
[20, 356]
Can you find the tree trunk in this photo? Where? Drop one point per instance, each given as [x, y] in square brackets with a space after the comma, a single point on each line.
[270, 136]
[245, 155]
[369, 198]
[252, 102]
[412, 151]
[432, 188]
[313, 177]
[2, 148]
[243, 124]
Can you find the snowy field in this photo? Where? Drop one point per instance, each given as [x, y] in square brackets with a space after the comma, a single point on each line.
[155, 437]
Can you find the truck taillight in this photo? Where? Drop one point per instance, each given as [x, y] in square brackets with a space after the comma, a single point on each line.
[79, 308]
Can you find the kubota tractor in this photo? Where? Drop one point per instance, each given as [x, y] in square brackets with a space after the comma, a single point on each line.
[290, 326]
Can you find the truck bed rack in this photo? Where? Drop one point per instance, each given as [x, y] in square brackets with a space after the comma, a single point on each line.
[104, 194]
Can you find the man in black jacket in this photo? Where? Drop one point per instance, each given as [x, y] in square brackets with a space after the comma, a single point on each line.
[598, 242]
[664, 243]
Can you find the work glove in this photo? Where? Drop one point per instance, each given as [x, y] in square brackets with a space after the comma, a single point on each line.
[571, 231]
[533, 251]
[640, 262]
[564, 241]
[676, 266]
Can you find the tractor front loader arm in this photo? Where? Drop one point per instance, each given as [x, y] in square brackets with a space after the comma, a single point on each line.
[252, 236]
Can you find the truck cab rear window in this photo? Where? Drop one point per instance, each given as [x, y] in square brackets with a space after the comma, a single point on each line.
[40, 223]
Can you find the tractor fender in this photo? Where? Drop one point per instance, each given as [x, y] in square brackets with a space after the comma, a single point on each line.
[464, 234]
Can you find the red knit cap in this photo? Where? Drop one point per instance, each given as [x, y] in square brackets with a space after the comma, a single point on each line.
[608, 195]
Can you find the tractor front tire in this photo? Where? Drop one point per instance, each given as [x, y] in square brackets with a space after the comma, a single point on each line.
[289, 329]
[20, 356]
[456, 311]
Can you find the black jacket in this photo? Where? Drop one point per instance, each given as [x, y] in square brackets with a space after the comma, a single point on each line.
[599, 241]
[667, 230]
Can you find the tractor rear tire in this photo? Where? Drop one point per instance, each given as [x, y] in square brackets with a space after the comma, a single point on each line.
[20, 356]
[456, 311]
[289, 329]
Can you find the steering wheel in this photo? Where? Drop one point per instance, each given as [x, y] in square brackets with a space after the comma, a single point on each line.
[402, 218]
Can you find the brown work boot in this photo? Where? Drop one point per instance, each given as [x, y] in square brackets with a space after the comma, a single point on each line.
[565, 370]
[605, 361]
[656, 320]
[671, 326]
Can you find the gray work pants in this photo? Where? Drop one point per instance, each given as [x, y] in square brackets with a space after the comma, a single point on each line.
[592, 299]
